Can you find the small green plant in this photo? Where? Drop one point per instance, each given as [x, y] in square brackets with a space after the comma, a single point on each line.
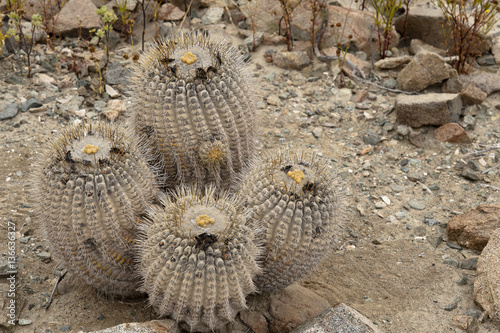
[108, 17]
[25, 41]
[469, 21]
[385, 11]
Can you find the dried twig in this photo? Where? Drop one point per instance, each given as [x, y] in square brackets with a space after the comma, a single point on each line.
[490, 186]
[59, 279]
[479, 152]
[492, 168]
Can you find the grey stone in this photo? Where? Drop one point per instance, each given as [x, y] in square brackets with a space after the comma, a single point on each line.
[470, 263]
[470, 174]
[397, 188]
[371, 139]
[45, 256]
[416, 204]
[487, 82]
[416, 176]
[154, 326]
[117, 74]
[14, 79]
[249, 41]
[452, 262]
[390, 83]
[317, 131]
[291, 60]
[341, 318]
[428, 109]
[212, 16]
[435, 241]
[31, 103]
[10, 111]
[431, 222]
[425, 69]
[402, 130]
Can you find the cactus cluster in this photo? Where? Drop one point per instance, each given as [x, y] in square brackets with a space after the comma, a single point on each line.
[92, 185]
[192, 103]
[295, 199]
[197, 258]
[204, 249]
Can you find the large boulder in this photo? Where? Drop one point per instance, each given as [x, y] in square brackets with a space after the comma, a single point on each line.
[428, 109]
[487, 285]
[426, 68]
[77, 16]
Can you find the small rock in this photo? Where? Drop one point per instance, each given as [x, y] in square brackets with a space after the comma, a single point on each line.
[371, 139]
[65, 328]
[397, 188]
[292, 306]
[431, 222]
[425, 69]
[416, 204]
[487, 82]
[473, 228]
[472, 95]
[416, 176]
[77, 16]
[10, 111]
[170, 12]
[31, 103]
[340, 318]
[469, 122]
[466, 323]
[24, 322]
[14, 79]
[435, 241]
[112, 92]
[389, 63]
[428, 109]
[116, 74]
[249, 41]
[291, 60]
[317, 131]
[390, 83]
[255, 320]
[45, 256]
[453, 133]
[453, 306]
[470, 174]
[470, 263]
[452, 262]
[273, 100]
[212, 16]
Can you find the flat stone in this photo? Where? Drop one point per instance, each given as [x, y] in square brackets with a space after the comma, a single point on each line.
[341, 318]
[291, 60]
[390, 63]
[470, 174]
[428, 109]
[292, 306]
[417, 46]
[453, 133]
[45, 256]
[24, 322]
[416, 176]
[371, 139]
[470, 263]
[112, 92]
[425, 69]
[473, 228]
[117, 74]
[9, 112]
[77, 16]
[487, 285]
[154, 326]
[416, 204]
[31, 103]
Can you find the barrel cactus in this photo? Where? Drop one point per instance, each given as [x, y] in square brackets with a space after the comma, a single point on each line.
[197, 258]
[91, 186]
[192, 103]
[298, 202]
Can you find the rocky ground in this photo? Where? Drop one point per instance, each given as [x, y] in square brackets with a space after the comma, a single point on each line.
[397, 267]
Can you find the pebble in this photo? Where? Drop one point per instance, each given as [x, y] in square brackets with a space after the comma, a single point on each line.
[45, 256]
[24, 322]
[371, 139]
[31, 103]
[463, 280]
[390, 83]
[397, 188]
[454, 305]
[417, 204]
[65, 328]
[431, 222]
[416, 176]
[454, 246]
[317, 131]
[452, 262]
[435, 241]
[400, 215]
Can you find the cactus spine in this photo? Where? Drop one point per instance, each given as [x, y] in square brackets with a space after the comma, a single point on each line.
[91, 186]
[191, 102]
[197, 258]
[297, 201]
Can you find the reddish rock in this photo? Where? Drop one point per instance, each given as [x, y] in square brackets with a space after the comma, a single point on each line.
[293, 306]
[474, 228]
[487, 285]
[453, 133]
[255, 320]
[77, 16]
[472, 95]
[169, 12]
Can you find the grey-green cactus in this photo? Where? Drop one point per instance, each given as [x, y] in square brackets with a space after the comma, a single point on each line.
[297, 201]
[197, 258]
[91, 186]
[192, 102]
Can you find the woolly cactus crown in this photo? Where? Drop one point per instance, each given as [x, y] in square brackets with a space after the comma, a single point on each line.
[192, 102]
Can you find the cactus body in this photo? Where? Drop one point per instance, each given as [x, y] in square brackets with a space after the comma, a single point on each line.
[197, 258]
[297, 202]
[192, 103]
[91, 186]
